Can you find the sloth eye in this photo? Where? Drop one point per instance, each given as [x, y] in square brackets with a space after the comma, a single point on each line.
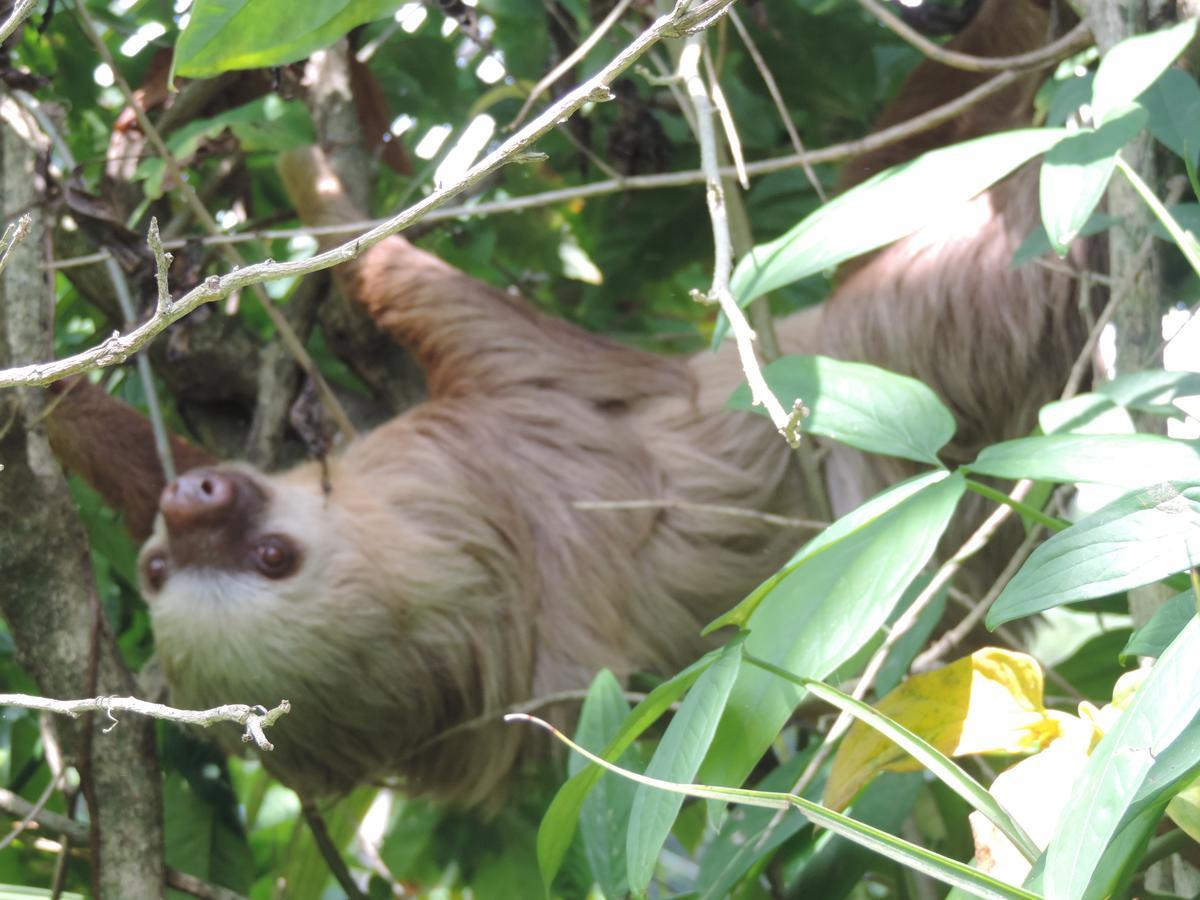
[275, 556]
[154, 570]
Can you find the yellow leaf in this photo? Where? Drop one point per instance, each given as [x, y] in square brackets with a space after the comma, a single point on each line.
[988, 702]
[1184, 810]
[1034, 791]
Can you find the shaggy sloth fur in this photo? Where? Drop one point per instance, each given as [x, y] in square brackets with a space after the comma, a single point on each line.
[448, 573]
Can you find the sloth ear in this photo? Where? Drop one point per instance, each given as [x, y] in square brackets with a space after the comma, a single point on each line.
[110, 445]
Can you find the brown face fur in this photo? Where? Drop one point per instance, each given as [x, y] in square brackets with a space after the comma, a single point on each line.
[448, 573]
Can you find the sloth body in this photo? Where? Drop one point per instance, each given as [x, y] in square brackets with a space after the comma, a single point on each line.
[448, 572]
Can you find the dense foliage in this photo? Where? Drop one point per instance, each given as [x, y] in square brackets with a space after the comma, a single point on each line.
[623, 262]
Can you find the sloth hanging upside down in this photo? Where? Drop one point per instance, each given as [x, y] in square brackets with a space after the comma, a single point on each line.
[447, 573]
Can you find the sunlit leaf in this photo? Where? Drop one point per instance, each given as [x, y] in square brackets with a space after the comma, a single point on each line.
[861, 405]
[989, 702]
[887, 207]
[1133, 65]
[1125, 460]
[1116, 775]
[243, 34]
[843, 593]
[1137, 539]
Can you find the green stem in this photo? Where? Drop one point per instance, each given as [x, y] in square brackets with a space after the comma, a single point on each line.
[1029, 512]
[1185, 240]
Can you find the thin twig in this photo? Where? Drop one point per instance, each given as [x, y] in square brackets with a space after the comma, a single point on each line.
[732, 140]
[254, 718]
[158, 428]
[1075, 39]
[162, 263]
[525, 706]
[34, 810]
[330, 853]
[760, 391]
[21, 9]
[282, 326]
[569, 62]
[15, 233]
[939, 649]
[116, 275]
[737, 511]
[834, 153]
[681, 19]
[768, 78]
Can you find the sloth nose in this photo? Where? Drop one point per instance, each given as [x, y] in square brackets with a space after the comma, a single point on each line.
[201, 497]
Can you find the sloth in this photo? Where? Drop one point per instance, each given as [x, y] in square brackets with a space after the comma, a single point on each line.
[441, 569]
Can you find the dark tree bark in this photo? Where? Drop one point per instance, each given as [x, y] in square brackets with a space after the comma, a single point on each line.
[49, 597]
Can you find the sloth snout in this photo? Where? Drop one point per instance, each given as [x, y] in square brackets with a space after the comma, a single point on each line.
[201, 497]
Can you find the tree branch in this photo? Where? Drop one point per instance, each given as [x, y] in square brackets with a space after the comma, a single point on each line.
[254, 718]
[1075, 39]
[683, 19]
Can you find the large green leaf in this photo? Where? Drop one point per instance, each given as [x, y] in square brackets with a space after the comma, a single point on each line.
[863, 515]
[887, 207]
[248, 34]
[1112, 791]
[1134, 65]
[1137, 539]
[1076, 172]
[558, 825]
[606, 809]
[1126, 460]
[677, 758]
[861, 405]
[817, 617]
[1151, 390]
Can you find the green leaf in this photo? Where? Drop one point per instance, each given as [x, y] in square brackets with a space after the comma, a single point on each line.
[861, 405]
[606, 809]
[677, 758]
[1186, 214]
[1084, 414]
[1173, 102]
[1077, 170]
[1151, 390]
[198, 839]
[1137, 539]
[943, 868]
[821, 613]
[1134, 65]
[1164, 626]
[1038, 242]
[868, 512]
[943, 767]
[248, 34]
[1116, 774]
[1126, 460]
[893, 204]
[558, 825]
